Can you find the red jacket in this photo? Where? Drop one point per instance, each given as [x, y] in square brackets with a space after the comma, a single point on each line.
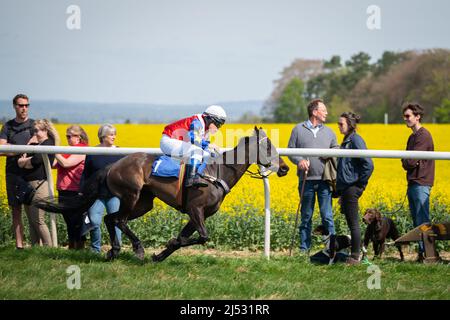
[192, 129]
[68, 179]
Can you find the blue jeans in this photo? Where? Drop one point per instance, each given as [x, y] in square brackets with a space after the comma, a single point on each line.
[308, 201]
[95, 212]
[419, 206]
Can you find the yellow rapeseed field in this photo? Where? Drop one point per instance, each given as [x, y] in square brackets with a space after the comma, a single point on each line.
[387, 185]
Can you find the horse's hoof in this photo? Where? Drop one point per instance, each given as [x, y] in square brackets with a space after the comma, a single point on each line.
[155, 258]
[139, 252]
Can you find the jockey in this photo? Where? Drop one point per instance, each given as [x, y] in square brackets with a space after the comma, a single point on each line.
[189, 138]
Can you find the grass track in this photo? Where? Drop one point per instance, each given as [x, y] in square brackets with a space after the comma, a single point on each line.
[40, 273]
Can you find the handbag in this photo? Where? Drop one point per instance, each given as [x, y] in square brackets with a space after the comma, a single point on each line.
[25, 192]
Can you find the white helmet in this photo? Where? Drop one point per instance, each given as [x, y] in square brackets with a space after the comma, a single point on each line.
[216, 113]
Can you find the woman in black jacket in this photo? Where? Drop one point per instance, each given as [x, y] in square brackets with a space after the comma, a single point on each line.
[106, 201]
[352, 177]
[34, 173]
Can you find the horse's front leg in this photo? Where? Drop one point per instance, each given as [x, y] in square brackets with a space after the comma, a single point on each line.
[183, 240]
[136, 243]
[119, 220]
[198, 220]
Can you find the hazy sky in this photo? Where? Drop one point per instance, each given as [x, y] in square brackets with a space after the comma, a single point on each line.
[194, 51]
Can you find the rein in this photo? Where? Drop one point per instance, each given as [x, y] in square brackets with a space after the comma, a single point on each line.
[259, 174]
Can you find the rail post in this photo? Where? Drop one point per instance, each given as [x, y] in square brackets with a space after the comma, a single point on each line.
[266, 216]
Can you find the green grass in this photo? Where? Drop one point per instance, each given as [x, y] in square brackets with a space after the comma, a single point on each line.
[40, 273]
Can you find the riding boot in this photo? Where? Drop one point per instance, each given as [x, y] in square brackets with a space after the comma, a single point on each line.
[193, 178]
[72, 244]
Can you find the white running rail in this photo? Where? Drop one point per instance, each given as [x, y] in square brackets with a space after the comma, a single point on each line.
[307, 152]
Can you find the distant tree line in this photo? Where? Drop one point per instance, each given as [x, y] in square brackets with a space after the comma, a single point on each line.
[370, 89]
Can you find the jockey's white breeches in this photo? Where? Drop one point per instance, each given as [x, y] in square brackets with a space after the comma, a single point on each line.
[182, 150]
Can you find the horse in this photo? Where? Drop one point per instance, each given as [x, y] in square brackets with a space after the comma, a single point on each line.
[130, 179]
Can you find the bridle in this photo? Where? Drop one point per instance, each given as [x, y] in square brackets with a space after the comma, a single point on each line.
[259, 174]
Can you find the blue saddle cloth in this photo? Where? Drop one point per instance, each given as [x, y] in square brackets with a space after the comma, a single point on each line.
[165, 166]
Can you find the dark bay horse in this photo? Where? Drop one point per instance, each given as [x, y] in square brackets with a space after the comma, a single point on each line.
[130, 180]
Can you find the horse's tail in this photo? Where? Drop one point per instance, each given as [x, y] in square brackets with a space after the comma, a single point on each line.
[79, 203]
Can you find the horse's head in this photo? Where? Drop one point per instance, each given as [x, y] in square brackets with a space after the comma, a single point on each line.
[267, 154]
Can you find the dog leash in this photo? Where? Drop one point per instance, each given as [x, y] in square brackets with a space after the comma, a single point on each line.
[305, 173]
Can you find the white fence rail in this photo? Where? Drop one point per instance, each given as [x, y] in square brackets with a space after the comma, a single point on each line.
[307, 152]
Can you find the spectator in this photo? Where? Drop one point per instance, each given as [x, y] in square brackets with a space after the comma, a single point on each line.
[107, 136]
[313, 134]
[17, 131]
[419, 173]
[35, 174]
[70, 168]
[352, 177]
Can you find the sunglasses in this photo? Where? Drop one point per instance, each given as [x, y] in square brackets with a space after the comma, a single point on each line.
[23, 105]
[72, 135]
[406, 116]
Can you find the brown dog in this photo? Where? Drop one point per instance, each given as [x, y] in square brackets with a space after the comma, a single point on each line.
[379, 229]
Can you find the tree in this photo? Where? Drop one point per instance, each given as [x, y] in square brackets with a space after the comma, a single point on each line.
[336, 107]
[370, 89]
[358, 67]
[437, 84]
[421, 76]
[317, 87]
[333, 63]
[250, 117]
[388, 59]
[373, 96]
[442, 113]
[299, 69]
[291, 106]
